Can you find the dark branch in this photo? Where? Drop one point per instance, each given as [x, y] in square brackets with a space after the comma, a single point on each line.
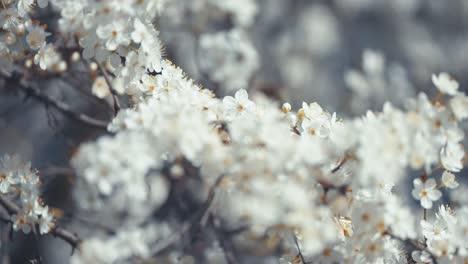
[58, 105]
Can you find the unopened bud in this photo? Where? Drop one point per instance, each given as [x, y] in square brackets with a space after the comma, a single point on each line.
[75, 56]
[286, 108]
[300, 114]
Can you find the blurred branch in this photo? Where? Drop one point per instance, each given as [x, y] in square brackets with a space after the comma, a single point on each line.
[72, 239]
[5, 256]
[187, 226]
[58, 105]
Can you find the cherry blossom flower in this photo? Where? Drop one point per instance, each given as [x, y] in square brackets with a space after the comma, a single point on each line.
[459, 106]
[449, 180]
[47, 57]
[239, 105]
[114, 34]
[451, 156]
[6, 180]
[445, 83]
[426, 192]
[22, 221]
[36, 37]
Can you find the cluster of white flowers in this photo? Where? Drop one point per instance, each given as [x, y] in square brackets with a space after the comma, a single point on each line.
[229, 58]
[23, 40]
[446, 234]
[124, 245]
[226, 55]
[20, 184]
[279, 165]
[377, 82]
[328, 181]
[121, 36]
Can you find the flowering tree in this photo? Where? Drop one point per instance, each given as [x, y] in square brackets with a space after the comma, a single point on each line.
[181, 174]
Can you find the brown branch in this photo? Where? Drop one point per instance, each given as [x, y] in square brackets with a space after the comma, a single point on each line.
[72, 239]
[115, 97]
[340, 164]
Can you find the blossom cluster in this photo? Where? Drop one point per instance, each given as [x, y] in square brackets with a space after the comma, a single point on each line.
[20, 184]
[279, 165]
[24, 39]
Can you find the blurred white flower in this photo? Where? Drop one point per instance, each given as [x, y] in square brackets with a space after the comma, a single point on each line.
[449, 180]
[421, 257]
[47, 57]
[451, 156]
[459, 106]
[36, 36]
[445, 83]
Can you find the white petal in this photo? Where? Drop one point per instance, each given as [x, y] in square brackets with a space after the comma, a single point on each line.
[430, 184]
[434, 195]
[417, 184]
[242, 95]
[426, 202]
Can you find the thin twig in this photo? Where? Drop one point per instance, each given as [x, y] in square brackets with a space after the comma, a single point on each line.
[72, 239]
[299, 249]
[340, 164]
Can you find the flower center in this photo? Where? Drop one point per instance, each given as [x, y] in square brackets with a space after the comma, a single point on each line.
[327, 252]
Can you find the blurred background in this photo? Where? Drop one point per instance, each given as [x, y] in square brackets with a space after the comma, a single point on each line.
[348, 55]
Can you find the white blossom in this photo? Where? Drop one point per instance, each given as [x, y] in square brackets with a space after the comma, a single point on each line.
[239, 105]
[449, 180]
[114, 34]
[426, 192]
[36, 37]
